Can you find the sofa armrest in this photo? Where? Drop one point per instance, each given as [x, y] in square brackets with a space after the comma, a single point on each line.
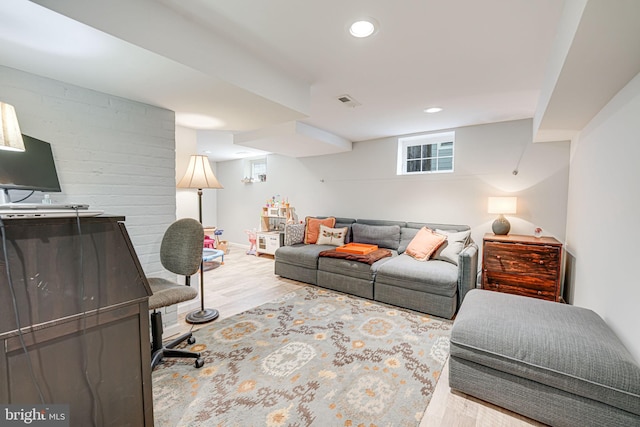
[467, 270]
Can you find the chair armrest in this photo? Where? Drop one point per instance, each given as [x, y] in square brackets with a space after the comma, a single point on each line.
[467, 270]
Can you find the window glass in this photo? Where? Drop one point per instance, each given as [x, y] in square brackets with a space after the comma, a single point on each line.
[427, 153]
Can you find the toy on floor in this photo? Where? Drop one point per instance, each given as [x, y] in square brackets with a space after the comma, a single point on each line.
[209, 242]
[252, 241]
[217, 235]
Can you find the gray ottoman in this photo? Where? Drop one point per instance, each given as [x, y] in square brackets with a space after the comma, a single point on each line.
[555, 363]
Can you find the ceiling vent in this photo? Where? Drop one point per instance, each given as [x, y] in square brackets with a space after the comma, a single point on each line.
[348, 101]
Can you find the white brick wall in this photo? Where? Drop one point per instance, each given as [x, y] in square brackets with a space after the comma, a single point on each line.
[112, 153]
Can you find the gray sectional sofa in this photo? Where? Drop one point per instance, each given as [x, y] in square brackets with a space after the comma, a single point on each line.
[436, 286]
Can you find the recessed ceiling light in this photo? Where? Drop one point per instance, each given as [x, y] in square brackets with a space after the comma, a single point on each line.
[363, 28]
[433, 110]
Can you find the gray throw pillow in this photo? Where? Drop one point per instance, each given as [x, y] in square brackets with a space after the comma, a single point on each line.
[293, 234]
[385, 236]
[451, 248]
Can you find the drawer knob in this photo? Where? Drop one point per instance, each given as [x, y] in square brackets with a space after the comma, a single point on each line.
[541, 262]
[539, 293]
[498, 257]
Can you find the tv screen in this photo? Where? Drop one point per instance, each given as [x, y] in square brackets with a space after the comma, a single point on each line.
[31, 169]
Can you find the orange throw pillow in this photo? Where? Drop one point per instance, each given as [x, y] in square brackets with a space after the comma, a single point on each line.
[312, 228]
[424, 244]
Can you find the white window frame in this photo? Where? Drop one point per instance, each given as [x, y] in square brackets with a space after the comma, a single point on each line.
[259, 163]
[426, 139]
[250, 166]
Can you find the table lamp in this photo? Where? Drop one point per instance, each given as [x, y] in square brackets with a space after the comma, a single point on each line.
[501, 206]
[199, 175]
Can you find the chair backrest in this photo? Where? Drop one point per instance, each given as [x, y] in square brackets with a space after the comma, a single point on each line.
[181, 248]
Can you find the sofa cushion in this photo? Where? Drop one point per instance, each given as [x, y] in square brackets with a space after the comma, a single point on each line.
[301, 255]
[562, 346]
[345, 222]
[332, 236]
[436, 277]
[385, 236]
[425, 243]
[406, 236]
[350, 268]
[312, 228]
[451, 248]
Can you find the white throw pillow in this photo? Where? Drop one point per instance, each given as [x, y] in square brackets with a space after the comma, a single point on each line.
[331, 236]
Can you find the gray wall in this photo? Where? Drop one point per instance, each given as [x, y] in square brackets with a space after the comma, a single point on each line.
[111, 153]
[603, 210]
[363, 184]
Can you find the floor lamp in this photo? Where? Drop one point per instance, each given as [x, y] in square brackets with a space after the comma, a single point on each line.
[199, 175]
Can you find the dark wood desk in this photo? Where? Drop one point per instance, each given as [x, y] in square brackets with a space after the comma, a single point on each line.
[82, 302]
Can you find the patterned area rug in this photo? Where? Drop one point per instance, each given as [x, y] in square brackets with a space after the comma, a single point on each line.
[313, 357]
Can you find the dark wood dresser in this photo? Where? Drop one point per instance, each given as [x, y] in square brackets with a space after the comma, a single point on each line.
[522, 265]
[80, 299]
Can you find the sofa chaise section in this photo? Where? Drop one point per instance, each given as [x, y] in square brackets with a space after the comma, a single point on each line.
[427, 287]
[299, 262]
[436, 287]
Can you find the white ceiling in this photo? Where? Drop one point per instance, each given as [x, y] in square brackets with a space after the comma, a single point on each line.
[256, 64]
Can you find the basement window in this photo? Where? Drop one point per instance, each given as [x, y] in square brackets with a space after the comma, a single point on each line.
[255, 170]
[430, 153]
[259, 169]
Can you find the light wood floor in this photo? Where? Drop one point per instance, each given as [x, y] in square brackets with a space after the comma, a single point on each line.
[246, 281]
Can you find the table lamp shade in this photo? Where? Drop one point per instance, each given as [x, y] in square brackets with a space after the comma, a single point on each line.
[501, 206]
[10, 135]
[199, 174]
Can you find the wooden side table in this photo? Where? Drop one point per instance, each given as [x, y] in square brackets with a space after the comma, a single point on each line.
[522, 265]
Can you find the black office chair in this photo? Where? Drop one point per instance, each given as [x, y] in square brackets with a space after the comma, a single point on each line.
[180, 253]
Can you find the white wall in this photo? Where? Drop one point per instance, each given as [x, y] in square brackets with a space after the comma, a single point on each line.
[111, 153]
[363, 184]
[186, 198]
[603, 211]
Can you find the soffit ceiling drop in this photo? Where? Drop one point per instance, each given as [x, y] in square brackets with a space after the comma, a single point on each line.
[595, 57]
[254, 64]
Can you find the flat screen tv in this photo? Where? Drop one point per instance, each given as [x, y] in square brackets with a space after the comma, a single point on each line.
[31, 169]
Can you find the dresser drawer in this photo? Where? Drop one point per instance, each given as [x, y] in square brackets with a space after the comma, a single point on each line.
[537, 261]
[520, 285]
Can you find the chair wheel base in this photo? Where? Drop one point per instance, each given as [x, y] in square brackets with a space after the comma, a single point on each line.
[199, 363]
[202, 316]
[191, 340]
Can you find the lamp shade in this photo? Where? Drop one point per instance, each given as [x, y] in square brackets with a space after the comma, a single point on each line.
[502, 205]
[199, 174]
[10, 135]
